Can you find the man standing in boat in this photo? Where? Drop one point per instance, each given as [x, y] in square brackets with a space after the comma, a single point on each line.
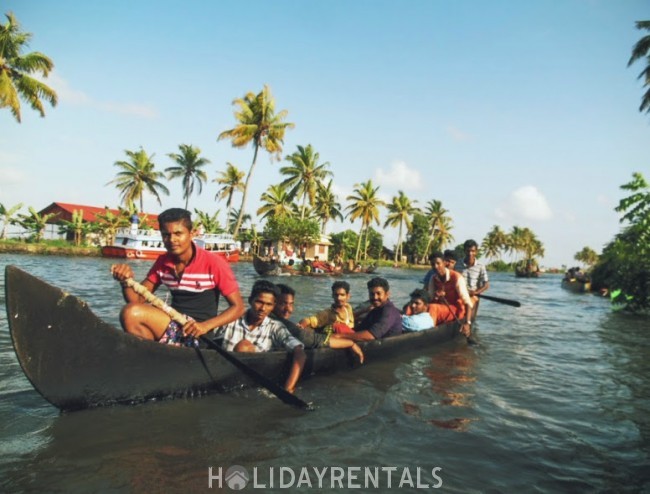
[474, 272]
[383, 320]
[195, 279]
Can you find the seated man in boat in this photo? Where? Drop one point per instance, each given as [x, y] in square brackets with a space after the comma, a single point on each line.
[474, 272]
[418, 317]
[338, 318]
[255, 331]
[383, 320]
[450, 261]
[312, 339]
[450, 299]
[195, 279]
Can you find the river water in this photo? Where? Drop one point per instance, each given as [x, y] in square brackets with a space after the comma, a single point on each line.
[555, 398]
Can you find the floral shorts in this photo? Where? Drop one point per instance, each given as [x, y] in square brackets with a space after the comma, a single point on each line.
[173, 335]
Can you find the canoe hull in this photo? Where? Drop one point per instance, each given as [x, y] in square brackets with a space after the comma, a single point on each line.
[75, 360]
[576, 286]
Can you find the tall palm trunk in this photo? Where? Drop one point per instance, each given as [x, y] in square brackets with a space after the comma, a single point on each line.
[228, 209]
[303, 207]
[356, 255]
[240, 218]
[398, 249]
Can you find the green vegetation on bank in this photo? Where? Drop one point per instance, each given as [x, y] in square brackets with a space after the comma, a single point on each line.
[48, 247]
[624, 266]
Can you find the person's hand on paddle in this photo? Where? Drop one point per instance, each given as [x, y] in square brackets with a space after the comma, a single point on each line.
[194, 328]
[121, 272]
[466, 329]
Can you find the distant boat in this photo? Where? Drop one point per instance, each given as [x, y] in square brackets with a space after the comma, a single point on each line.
[268, 267]
[148, 244]
[527, 269]
[522, 273]
[576, 286]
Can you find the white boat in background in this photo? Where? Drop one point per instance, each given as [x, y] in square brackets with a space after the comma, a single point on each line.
[147, 244]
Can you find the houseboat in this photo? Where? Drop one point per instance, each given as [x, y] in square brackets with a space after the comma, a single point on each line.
[133, 243]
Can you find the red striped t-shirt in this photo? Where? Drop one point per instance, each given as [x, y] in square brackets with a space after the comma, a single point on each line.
[196, 292]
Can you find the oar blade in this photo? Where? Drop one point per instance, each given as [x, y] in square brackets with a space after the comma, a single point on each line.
[513, 303]
[263, 381]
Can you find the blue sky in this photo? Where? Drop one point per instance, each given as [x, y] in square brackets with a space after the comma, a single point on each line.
[509, 112]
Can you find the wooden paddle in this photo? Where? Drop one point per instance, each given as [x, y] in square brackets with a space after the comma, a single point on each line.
[265, 382]
[506, 301]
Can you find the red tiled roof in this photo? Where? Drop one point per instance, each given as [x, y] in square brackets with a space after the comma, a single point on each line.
[64, 211]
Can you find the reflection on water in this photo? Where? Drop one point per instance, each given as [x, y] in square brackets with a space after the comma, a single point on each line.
[555, 398]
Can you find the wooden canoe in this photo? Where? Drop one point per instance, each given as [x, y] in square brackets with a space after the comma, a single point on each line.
[75, 360]
[267, 267]
[576, 286]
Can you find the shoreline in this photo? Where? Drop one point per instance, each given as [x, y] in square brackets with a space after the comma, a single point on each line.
[13, 247]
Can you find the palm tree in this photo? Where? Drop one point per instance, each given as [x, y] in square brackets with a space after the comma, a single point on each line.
[188, 167]
[587, 256]
[327, 206]
[231, 181]
[514, 242]
[259, 125]
[7, 217]
[210, 223]
[15, 71]
[364, 205]
[78, 227]
[524, 241]
[642, 50]
[234, 217]
[304, 175]
[138, 175]
[400, 211]
[277, 202]
[440, 226]
[494, 243]
[34, 222]
[108, 223]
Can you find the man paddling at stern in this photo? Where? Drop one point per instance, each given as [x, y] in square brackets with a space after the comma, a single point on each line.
[195, 278]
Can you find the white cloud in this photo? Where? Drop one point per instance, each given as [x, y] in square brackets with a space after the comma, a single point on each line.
[457, 134]
[72, 96]
[400, 176]
[525, 203]
[11, 176]
[65, 92]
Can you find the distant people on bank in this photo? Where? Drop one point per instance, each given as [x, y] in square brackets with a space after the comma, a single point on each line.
[311, 339]
[450, 299]
[418, 317]
[319, 266]
[255, 331]
[383, 319]
[195, 279]
[474, 272]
